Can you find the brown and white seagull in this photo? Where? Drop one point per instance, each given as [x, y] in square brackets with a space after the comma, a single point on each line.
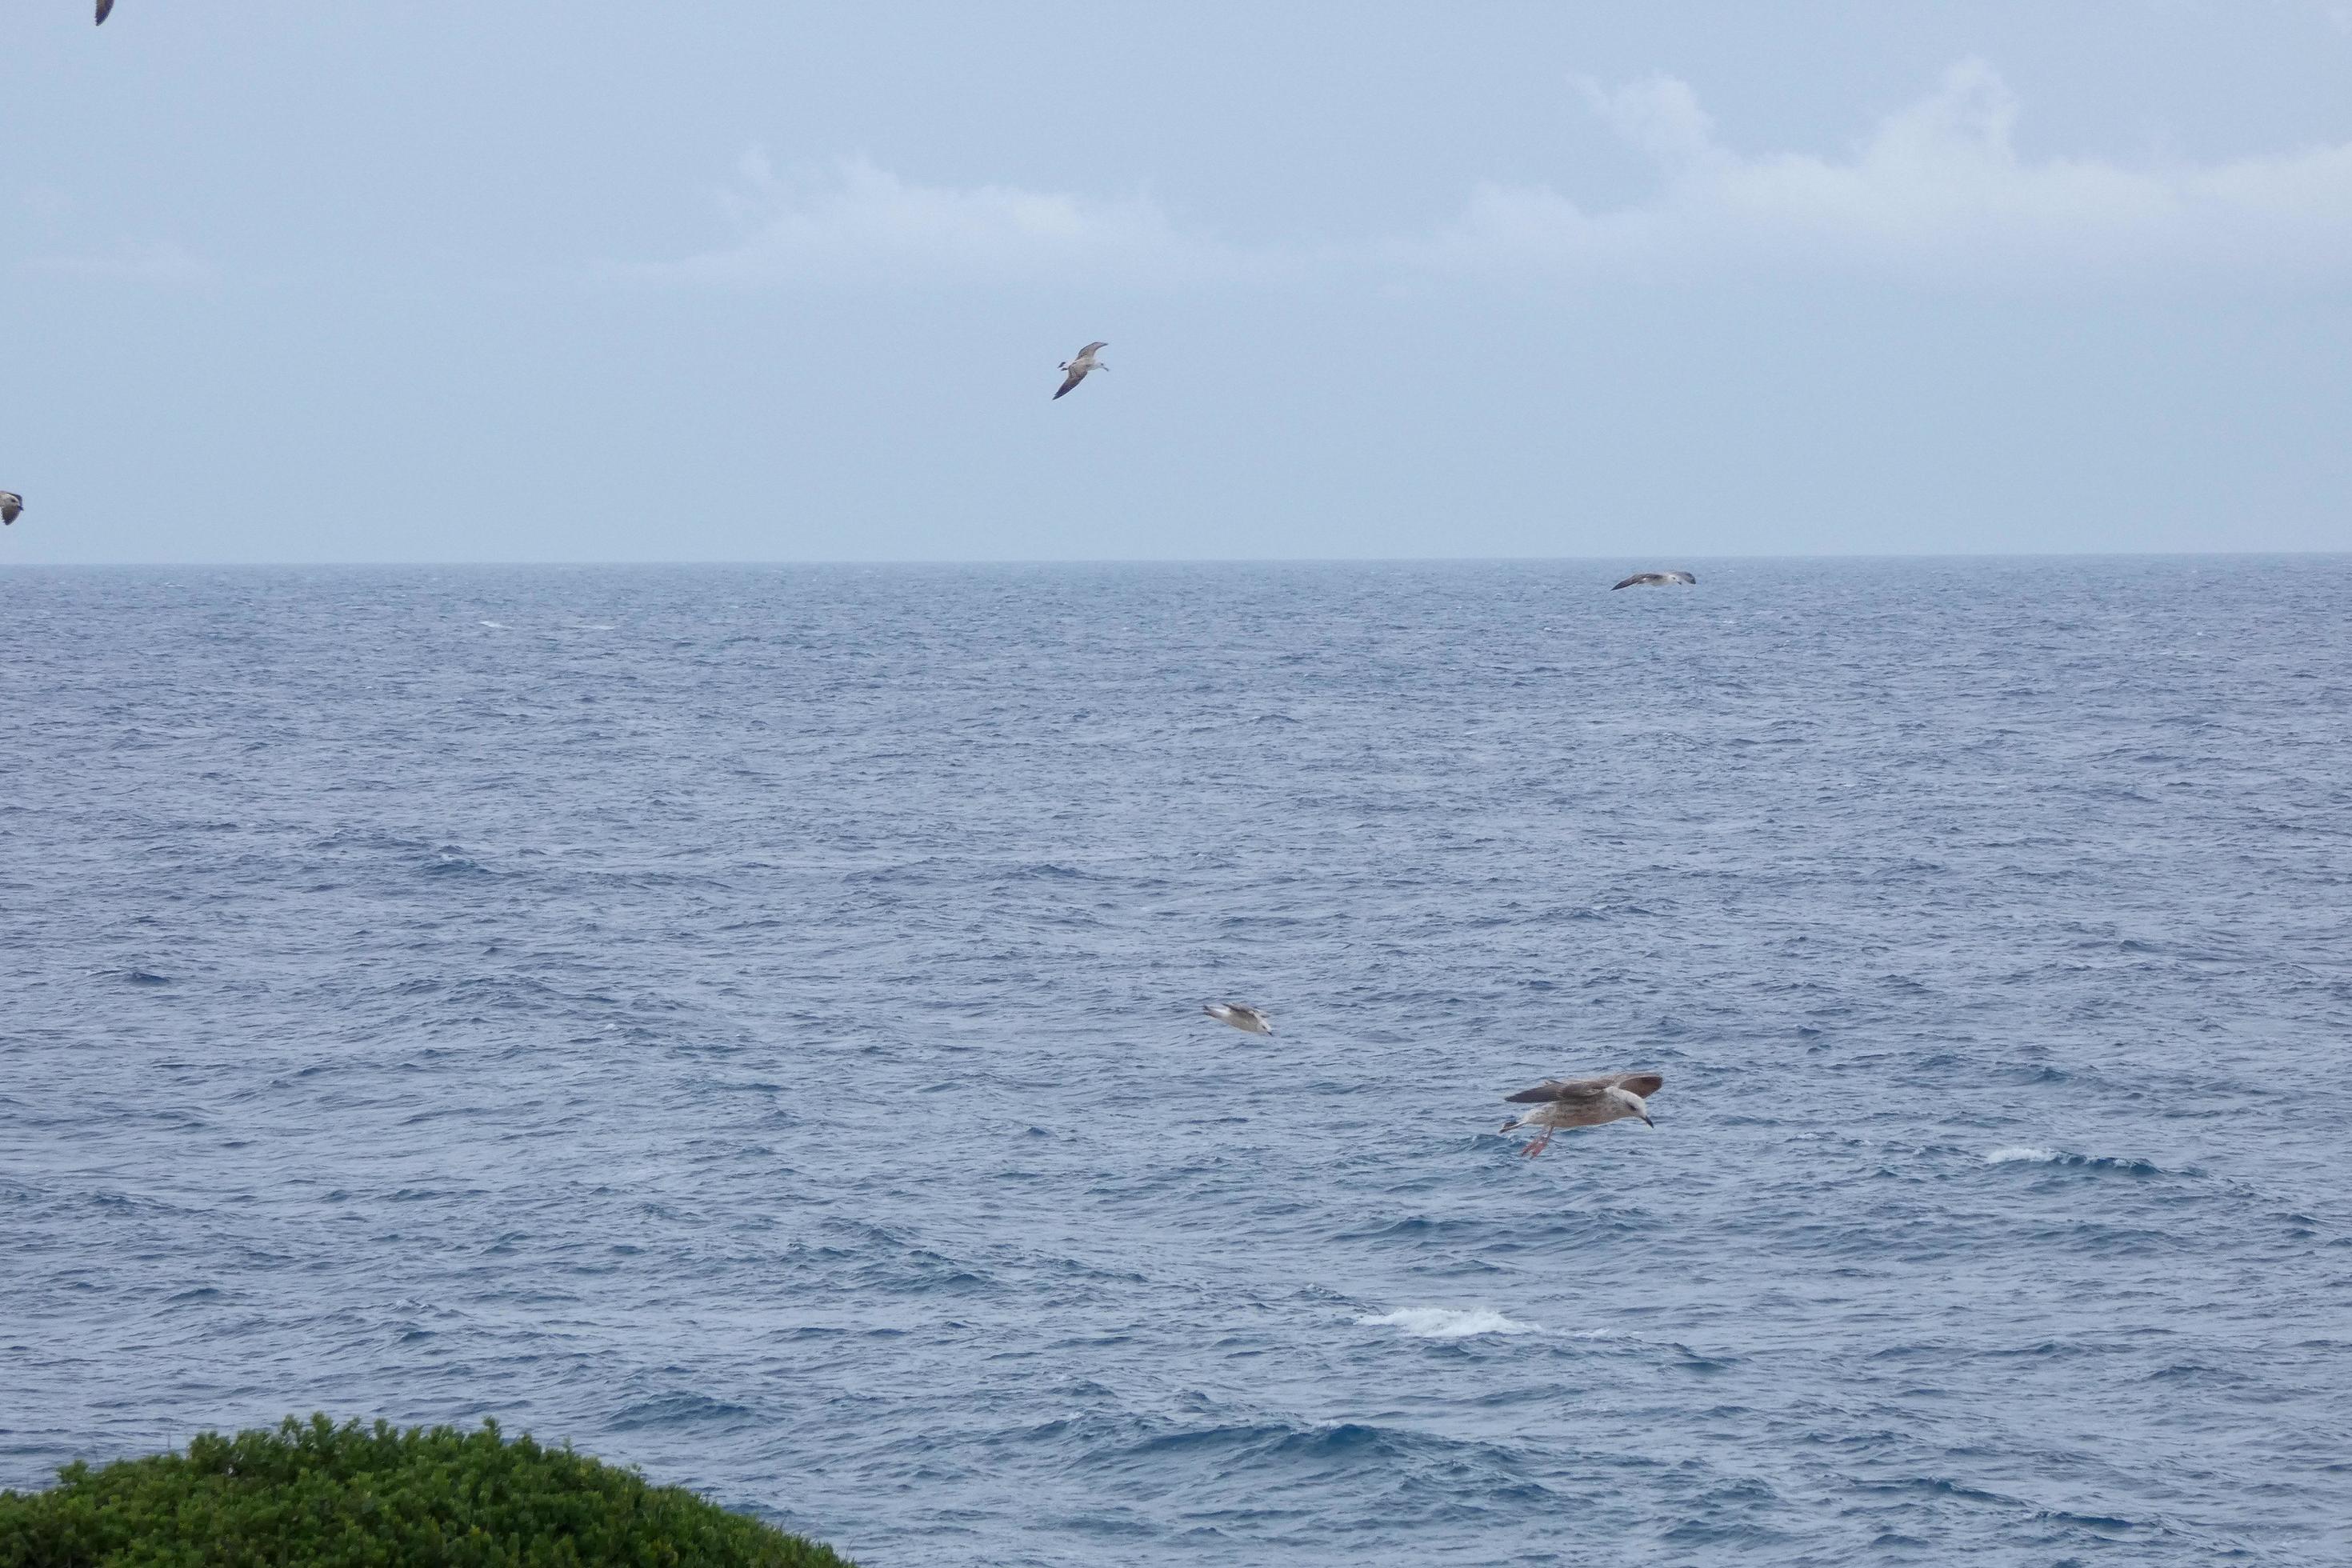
[1584, 1102]
[1078, 367]
[1239, 1016]
[1654, 579]
[12, 505]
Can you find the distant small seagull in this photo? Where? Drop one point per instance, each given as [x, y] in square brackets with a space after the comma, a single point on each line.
[104, 8]
[1239, 1016]
[12, 506]
[1656, 580]
[1584, 1102]
[1079, 366]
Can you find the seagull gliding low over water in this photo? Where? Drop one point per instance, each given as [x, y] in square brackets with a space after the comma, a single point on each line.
[1239, 1016]
[1584, 1102]
[1654, 579]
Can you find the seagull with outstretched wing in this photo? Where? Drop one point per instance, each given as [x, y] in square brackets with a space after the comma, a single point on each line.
[1248, 1019]
[1078, 367]
[1584, 1102]
[1654, 579]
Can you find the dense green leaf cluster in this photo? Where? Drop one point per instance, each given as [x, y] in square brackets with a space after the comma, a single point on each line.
[345, 1497]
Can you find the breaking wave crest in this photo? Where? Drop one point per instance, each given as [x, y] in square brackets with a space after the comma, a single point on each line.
[1447, 1322]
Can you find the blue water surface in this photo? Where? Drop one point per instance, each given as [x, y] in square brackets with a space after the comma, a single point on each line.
[745, 1021]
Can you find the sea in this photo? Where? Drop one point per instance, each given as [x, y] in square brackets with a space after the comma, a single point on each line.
[746, 1022]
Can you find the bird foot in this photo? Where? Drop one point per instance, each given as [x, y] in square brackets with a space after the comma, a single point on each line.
[1537, 1147]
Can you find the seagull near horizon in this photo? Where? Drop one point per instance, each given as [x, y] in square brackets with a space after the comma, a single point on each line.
[1246, 1018]
[1654, 579]
[1078, 367]
[11, 505]
[1584, 1102]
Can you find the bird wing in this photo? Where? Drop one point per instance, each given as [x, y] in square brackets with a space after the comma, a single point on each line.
[1636, 577]
[1557, 1089]
[1077, 376]
[1588, 1089]
[10, 505]
[104, 6]
[1088, 352]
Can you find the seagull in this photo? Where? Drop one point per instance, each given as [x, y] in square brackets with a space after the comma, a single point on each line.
[1079, 366]
[11, 505]
[1584, 1102]
[1656, 580]
[1239, 1016]
[103, 7]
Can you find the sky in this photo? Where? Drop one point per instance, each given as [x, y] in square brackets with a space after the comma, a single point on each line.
[575, 281]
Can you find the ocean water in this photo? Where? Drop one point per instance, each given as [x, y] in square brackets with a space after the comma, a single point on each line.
[746, 1021]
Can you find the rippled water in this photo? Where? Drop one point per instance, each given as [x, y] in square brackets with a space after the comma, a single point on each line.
[745, 1021]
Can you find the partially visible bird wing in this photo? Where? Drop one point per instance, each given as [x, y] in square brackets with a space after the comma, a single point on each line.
[103, 7]
[11, 504]
[1555, 1088]
[1636, 577]
[1077, 376]
[1088, 352]
[1645, 1084]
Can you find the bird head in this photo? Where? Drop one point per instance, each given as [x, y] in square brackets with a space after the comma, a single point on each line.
[1634, 1103]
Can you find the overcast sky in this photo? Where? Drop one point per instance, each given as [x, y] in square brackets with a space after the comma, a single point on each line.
[731, 280]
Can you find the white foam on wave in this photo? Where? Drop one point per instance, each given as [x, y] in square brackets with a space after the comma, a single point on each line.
[1448, 1322]
[2010, 1154]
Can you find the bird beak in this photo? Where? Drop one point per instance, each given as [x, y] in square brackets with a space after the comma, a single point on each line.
[1650, 1124]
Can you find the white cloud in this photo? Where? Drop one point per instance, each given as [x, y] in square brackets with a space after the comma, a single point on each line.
[855, 222]
[1937, 191]
[167, 265]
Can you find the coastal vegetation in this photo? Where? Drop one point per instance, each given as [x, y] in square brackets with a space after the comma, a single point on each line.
[314, 1493]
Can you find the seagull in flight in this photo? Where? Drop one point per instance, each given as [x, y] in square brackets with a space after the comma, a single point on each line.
[1239, 1016]
[12, 505]
[1584, 1102]
[1078, 367]
[1656, 580]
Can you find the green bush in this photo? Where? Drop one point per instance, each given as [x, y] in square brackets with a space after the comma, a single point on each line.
[343, 1497]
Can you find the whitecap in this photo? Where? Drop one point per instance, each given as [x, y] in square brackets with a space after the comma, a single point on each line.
[1448, 1322]
[2009, 1154]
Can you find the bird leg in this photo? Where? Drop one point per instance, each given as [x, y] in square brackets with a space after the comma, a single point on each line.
[1542, 1139]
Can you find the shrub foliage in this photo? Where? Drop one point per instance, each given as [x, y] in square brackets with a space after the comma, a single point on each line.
[344, 1497]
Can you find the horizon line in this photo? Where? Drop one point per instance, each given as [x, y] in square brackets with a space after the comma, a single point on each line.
[1191, 560]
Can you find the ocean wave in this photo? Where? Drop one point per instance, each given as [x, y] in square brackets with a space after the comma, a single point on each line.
[1448, 1322]
[2025, 1154]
